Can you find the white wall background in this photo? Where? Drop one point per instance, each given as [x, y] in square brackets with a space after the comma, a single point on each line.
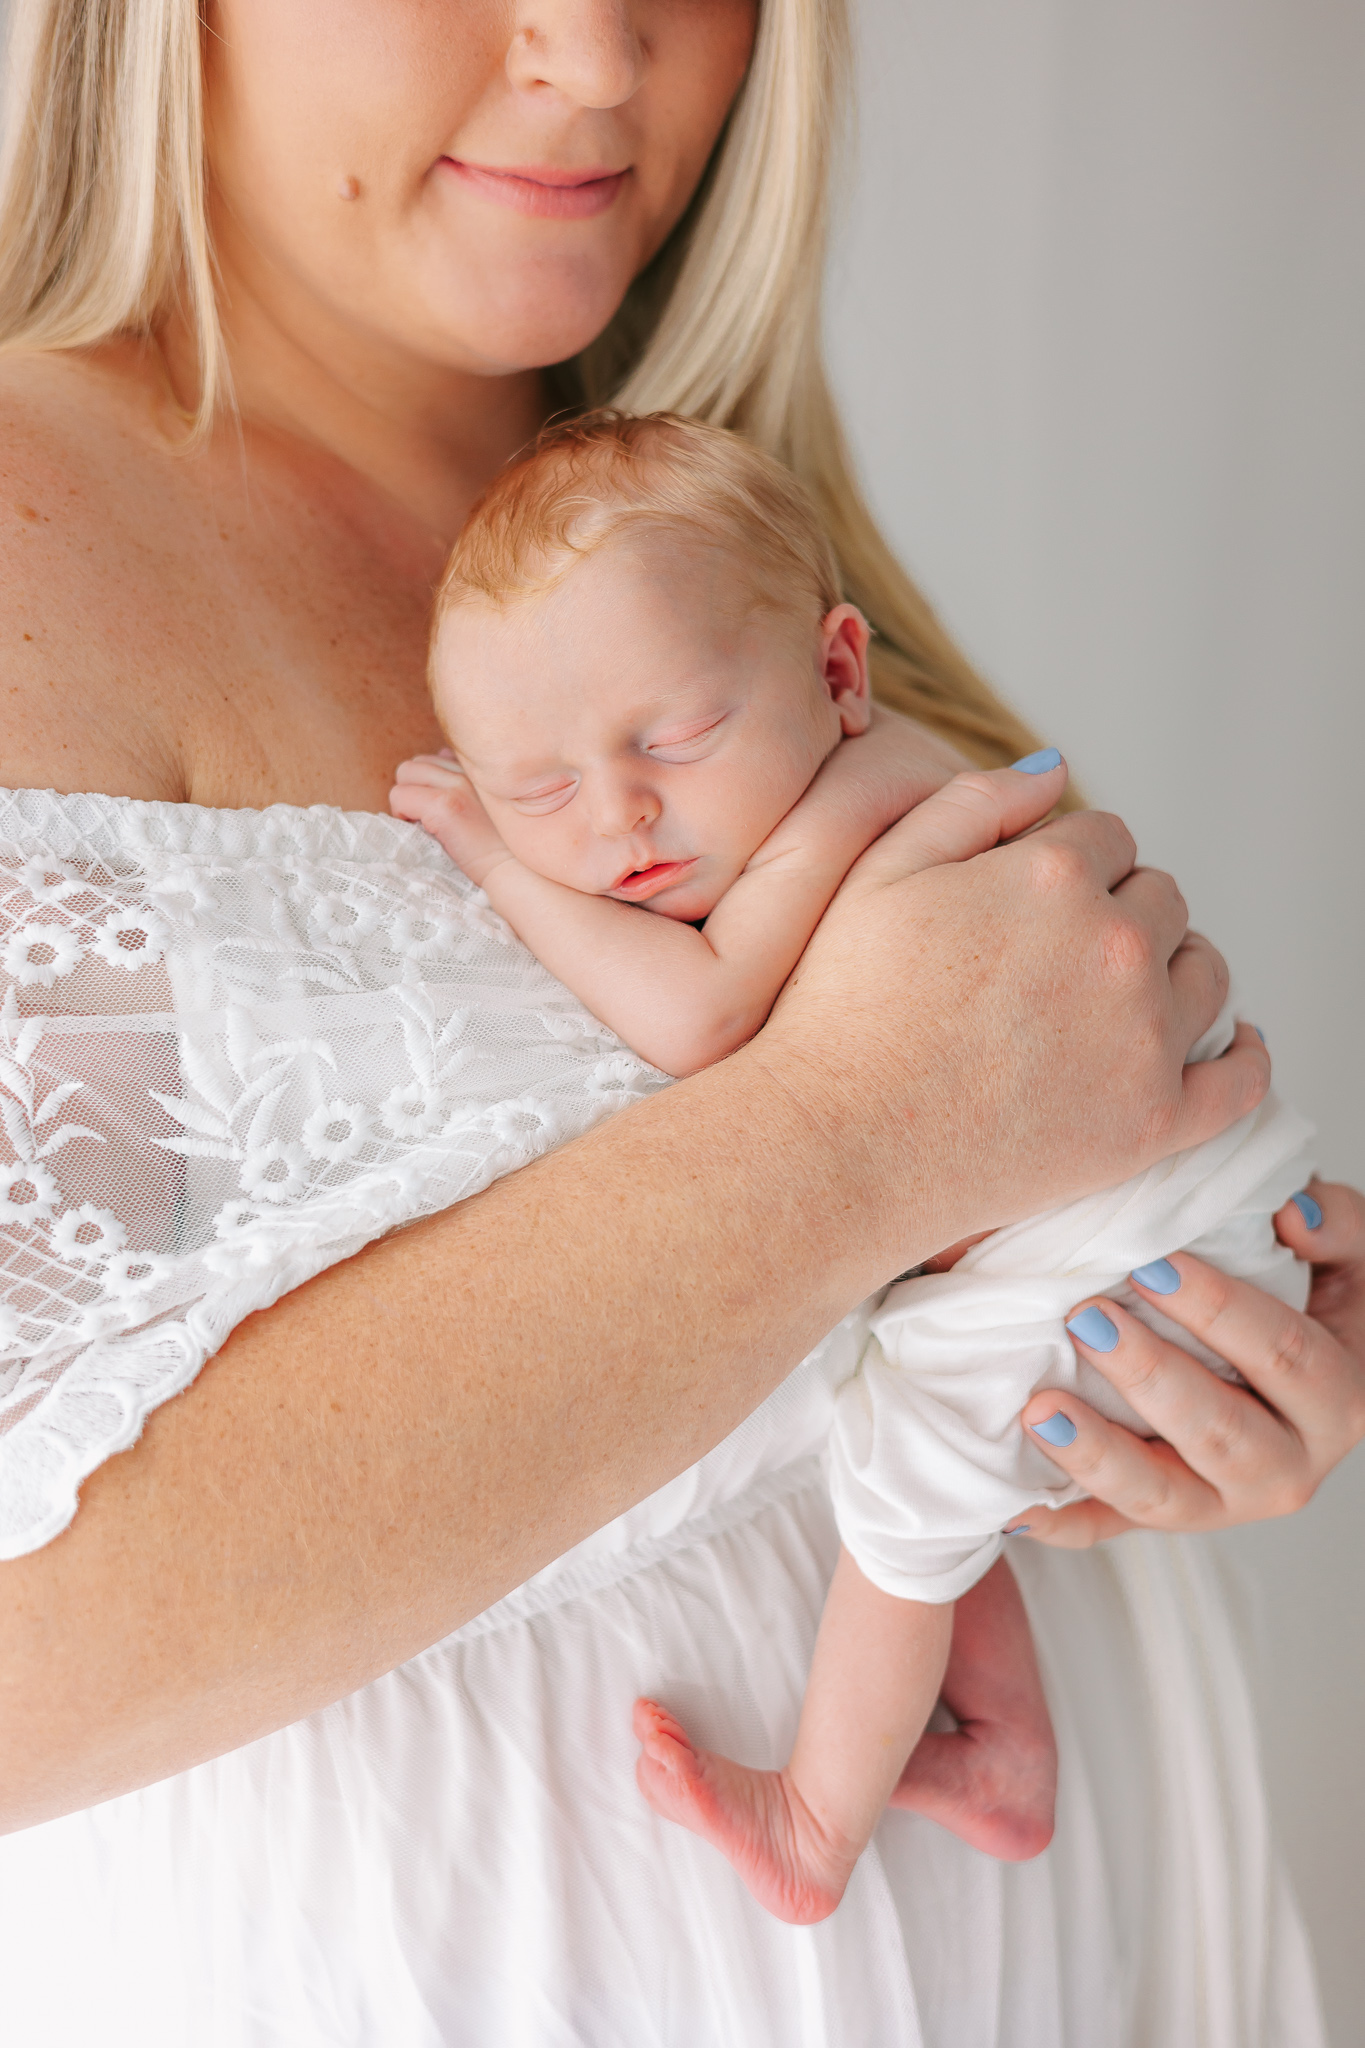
[1098, 327]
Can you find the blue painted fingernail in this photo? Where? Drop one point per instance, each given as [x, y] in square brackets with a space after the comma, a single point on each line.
[1059, 1429]
[1021, 1528]
[1160, 1276]
[1094, 1328]
[1259, 1033]
[1309, 1210]
[1039, 763]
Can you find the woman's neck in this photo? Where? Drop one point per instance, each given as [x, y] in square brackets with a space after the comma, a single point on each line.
[426, 435]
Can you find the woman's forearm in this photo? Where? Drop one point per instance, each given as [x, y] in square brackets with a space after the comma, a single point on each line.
[391, 1448]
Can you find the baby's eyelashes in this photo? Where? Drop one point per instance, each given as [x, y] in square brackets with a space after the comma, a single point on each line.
[682, 742]
[536, 803]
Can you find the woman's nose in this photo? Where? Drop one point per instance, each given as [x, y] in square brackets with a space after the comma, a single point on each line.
[588, 50]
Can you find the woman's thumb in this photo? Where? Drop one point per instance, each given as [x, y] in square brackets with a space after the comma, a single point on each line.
[969, 815]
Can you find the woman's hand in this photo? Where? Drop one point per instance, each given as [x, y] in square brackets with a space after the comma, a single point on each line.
[980, 1038]
[1224, 1455]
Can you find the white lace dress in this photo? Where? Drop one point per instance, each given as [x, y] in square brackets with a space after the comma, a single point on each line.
[235, 1046]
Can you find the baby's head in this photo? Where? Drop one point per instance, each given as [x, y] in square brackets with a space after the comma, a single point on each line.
[640, 656]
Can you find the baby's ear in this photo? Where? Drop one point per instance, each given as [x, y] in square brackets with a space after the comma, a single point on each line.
[844, 634]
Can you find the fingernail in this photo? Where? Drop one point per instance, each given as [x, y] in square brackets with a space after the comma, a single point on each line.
[1022, 1528]
[1160, 1276]
[1039, 763]
[1259, 1033]
[1059, 1429]
[1308, 1209]
[1094, 1328]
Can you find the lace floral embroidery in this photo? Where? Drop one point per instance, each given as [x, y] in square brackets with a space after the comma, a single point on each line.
[234, 1047]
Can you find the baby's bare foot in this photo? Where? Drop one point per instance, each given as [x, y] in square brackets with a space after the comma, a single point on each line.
[757, 1819]
[994, 1786]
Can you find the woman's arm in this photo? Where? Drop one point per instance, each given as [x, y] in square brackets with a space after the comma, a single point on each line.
[395, 1445]
[1224, 1455]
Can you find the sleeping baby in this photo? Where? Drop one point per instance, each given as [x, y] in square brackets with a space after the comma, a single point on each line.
[663, 761]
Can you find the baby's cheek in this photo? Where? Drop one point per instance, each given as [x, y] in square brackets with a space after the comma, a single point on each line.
[548, 849]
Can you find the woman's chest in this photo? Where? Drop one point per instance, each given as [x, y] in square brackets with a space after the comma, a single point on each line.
[301, 675]
[194, 630]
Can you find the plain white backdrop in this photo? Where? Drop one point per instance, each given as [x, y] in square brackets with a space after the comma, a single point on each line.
[1098, 328]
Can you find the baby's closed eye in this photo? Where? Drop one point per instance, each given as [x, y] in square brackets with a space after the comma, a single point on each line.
[685, 742]
[552, 796]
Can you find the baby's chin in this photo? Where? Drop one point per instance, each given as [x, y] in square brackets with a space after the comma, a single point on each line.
[689, 903]
[681, 913]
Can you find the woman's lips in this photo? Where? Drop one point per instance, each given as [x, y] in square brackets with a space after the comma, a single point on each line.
[642, 882]
[540, 190]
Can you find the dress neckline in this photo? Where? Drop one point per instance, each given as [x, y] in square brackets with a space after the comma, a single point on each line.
[90, 822]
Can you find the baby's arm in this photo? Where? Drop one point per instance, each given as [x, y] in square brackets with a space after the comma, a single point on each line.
[684, 998]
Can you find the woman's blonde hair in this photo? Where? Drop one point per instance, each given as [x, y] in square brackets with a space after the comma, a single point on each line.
[103, 229]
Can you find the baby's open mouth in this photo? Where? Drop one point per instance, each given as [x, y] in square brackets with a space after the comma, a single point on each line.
[641, 882]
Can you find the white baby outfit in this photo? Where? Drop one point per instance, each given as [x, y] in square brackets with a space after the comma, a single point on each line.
[929, 1460]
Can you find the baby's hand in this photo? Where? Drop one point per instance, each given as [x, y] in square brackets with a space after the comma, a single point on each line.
[432, 791]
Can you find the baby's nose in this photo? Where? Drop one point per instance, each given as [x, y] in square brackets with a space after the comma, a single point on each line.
[623, 809]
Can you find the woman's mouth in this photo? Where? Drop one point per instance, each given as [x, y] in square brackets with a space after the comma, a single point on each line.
[638, 883]
[540, 189]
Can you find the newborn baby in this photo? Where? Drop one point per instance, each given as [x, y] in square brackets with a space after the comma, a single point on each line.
[663, 761]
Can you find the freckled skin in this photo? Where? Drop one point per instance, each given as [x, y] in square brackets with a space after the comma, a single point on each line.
[246, 623]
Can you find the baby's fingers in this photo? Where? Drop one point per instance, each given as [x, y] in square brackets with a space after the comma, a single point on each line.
[433, 771]
[419, 802]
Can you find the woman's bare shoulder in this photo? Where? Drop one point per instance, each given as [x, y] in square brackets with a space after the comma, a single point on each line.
[79, 508]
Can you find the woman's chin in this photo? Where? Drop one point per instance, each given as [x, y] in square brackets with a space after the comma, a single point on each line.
[525, 315]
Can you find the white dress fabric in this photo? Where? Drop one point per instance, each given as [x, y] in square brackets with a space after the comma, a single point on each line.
[322, 1032]
[929, 1460]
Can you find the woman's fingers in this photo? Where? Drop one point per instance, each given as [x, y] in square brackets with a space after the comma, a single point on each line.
[1095, 842]
[1217, 1092]
[1228, 1439]
[1150, 897]
[1143, 1482]
[1199, 984]
[1074, 1527]
[1324, 1224]
[1296, 1366]
[969, 815]
[1223, 1454]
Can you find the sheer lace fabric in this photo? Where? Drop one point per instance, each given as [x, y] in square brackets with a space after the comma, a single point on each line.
[234, 1048]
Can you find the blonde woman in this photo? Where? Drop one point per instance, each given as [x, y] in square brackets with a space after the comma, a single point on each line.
[306, 1735]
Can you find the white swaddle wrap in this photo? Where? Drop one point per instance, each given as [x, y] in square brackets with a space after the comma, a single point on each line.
[929, 1460]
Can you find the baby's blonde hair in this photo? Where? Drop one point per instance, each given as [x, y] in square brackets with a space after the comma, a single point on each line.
[586, 482]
